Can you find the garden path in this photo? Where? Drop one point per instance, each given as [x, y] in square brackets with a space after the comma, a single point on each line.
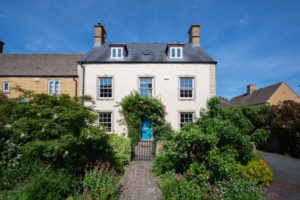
[287, 175]
[138, 182]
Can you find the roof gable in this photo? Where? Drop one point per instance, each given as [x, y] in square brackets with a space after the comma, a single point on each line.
[257, 97]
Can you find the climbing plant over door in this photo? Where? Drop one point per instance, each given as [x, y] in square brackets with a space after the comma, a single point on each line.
[134, 107]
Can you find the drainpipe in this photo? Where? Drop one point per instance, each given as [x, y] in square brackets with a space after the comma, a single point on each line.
[83, 78]
[74, 79]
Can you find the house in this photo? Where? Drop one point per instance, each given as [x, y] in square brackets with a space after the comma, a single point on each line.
[272, 95]
[41, 73]
[182, 75]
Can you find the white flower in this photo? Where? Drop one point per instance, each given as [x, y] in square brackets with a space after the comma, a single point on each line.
[7, 126]
[54, 116]
[66, 153]
[22, 135]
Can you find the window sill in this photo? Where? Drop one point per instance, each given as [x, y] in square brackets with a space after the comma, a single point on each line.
[186, 99]
[105, 99]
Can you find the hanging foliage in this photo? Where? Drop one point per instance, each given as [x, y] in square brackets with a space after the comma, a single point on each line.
[134, 106]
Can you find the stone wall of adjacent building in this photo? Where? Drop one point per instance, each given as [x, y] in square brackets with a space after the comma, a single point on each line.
[39, 84]
[284, 92]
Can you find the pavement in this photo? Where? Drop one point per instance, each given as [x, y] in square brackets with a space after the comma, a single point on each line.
[138, 182]
[287, 176]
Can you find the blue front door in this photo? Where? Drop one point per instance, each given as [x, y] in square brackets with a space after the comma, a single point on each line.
[146, 130]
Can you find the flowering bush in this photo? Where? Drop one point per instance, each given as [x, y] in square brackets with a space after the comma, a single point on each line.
[134, 106]
[186, 186]
[210, 151]
[257, 170]
[178, 187]
[239, 188]
[100, 181]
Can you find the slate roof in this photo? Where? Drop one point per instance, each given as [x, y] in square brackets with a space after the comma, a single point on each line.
[225, 104]
[22, 65]
[257, 97]
[158, 54]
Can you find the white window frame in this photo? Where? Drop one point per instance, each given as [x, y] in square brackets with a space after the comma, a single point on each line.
[105, 123]
[152, 88]
[112, 87]
[54, 82]
[193, 88]
[3, 86]
[185, 112]
[176, 52]
[118, 56]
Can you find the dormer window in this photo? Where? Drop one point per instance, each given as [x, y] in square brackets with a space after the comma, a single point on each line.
[117, 52]
[175, 52]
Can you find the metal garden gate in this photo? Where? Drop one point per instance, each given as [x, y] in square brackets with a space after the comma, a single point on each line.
[142, 149]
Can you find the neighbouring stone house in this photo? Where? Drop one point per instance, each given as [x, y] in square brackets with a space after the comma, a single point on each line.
[182, 75]
[41, 73]
[272, 95]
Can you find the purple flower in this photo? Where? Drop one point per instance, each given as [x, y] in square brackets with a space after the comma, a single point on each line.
[85, 191]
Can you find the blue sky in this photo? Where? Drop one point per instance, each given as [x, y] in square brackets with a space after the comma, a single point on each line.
[254, 41]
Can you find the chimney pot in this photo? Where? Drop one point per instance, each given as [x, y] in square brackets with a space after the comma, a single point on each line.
[251, 88]
[1, 46]
[100, 33]
[194, 36]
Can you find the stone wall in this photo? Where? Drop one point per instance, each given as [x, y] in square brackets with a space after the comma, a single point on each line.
[39, 84]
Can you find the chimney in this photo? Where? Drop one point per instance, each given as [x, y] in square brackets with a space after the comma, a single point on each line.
[251, 88]
[99, 34]
[1, 46]
[194, 34]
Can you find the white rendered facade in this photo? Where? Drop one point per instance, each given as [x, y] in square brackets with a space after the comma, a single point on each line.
[166, 76]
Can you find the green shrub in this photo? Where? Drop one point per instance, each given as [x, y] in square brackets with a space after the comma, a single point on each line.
[168, 162]
[178, 187]
[163, 132]
[20, 171]
[210, 151]
[48, 186]
[284, 119]
[100, 181]
[257, 170]
[121, 151]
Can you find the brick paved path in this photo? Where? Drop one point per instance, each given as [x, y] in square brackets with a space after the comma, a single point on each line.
[138, 183]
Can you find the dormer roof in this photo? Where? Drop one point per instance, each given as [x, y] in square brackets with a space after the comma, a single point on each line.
[147, 53]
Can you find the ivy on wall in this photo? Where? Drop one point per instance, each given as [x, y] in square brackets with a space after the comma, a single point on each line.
[134, 106]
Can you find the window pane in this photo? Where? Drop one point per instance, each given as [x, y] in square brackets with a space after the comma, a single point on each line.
[178, 52]
[173, 52]
[105, 85]
[119, 52]
[114, 51]
[146, 86]
[186, 87]
[51, 87]
[186, 118]
[6, 84]
[56, 87]
[105, 119]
